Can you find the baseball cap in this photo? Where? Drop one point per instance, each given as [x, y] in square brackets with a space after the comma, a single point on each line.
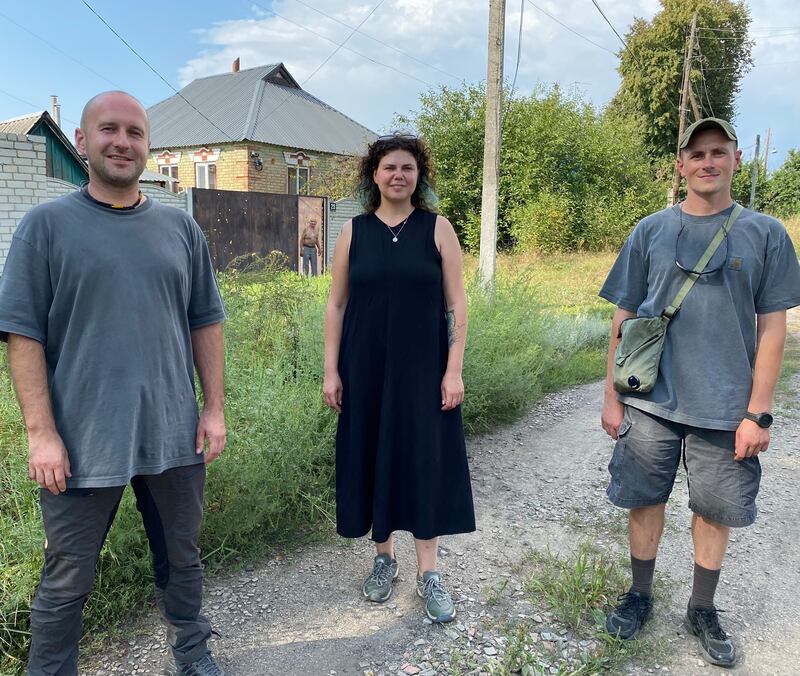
[708, 123]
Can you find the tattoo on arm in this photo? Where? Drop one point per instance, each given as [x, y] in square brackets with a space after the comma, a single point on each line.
[451, 328]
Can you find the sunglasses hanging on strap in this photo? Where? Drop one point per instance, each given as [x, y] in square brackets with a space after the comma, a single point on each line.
[641, 339]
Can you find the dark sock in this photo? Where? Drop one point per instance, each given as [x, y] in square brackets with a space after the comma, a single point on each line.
[642, 575]
[703, 587]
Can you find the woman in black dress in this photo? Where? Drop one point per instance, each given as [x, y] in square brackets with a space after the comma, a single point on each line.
[395, 330]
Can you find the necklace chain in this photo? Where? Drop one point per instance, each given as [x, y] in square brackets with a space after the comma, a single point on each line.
[401, 225]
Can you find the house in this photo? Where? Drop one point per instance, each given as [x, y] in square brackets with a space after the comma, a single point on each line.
[251, 130]
[62, 159]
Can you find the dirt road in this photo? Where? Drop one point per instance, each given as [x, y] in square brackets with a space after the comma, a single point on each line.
[538, 484]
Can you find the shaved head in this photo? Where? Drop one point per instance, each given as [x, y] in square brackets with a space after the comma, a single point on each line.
[96, 101]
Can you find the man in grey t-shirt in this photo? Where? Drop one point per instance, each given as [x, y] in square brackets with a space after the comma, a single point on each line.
[711, 402]
[109, 302]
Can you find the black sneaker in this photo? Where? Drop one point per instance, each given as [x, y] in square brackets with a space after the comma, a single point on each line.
[204, 666]
[716, 646]
[627, 618]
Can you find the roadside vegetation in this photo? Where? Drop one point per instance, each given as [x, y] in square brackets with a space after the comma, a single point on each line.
[273, 487]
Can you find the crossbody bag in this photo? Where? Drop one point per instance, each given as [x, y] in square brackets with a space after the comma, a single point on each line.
[641, 339]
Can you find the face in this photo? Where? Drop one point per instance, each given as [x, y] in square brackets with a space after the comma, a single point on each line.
[708, 163]
[115, 139]
[396, 175]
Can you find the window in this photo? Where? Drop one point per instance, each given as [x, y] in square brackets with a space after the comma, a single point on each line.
[172, 172]
[205, 175]
[298, 181]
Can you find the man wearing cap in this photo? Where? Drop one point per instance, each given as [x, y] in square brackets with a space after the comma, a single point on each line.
[712, 398]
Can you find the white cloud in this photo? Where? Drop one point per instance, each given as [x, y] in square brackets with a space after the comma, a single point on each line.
[450, 35]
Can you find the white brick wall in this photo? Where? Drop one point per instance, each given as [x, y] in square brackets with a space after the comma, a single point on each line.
[346, 209]
[22, 182]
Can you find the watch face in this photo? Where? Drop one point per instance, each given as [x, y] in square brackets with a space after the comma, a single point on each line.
[765, 419]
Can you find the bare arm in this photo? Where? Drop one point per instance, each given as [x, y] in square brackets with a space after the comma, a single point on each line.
[456, 313]
[611, 417]
[334, 317]
[770, 339]
[48, 461]
[209, 358]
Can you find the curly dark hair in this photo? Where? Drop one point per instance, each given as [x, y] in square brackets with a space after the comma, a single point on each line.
[423, 197]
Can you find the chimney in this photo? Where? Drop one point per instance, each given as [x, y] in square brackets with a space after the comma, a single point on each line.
[235, 67]
[55, 109]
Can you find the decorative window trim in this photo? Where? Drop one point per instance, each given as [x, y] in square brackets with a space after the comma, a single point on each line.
[299, 159]
[167, 158]
[206, 156]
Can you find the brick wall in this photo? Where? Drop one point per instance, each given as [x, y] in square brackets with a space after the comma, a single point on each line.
[22, 182]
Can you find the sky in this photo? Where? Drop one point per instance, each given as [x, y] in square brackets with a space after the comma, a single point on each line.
[402, 49]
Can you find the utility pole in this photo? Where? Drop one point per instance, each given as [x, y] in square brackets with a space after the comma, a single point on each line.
[766, 151]
[754, 177]
[687, 69]
[491, 142]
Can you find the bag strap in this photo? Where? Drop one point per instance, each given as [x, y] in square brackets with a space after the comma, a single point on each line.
[692, 277]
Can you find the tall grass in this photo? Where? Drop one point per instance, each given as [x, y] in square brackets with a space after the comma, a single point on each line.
[274, 483]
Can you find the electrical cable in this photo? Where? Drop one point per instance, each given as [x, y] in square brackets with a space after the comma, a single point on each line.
[570, 29]
[371, 37]
[519, 54]
[161, 77]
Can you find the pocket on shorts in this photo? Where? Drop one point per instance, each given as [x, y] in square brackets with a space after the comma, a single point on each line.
[618, 456]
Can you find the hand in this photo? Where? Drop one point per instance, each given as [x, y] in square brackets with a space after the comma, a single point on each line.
[750, 439]
[452, 391]
[332, 391]
[611, 417]
[211, 428]
[48, 461]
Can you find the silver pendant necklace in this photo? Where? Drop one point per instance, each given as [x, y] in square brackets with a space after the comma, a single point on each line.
[400, 225]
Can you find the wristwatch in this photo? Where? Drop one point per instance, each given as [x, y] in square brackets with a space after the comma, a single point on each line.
[761, 419]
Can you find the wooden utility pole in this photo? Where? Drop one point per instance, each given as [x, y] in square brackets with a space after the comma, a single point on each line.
[687, 69]
[693, 101]
[766, 151]
[491, 142]
[754, 177]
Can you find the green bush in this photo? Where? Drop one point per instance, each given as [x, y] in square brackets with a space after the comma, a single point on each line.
[544, 223]
[275, 481]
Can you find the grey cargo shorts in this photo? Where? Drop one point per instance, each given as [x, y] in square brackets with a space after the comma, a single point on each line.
[645, 462]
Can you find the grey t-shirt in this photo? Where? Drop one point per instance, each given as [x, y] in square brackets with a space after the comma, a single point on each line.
[705, 375]
[113, 297]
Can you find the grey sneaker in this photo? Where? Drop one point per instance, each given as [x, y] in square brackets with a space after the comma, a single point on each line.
[378, 586]
[205, 666]
[439, 607]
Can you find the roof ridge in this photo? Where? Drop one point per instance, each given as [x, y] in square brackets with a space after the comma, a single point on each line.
[37, 115]
[270, 66]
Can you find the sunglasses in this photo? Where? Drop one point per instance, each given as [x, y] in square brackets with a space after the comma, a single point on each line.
[692, 271]
[392, 137]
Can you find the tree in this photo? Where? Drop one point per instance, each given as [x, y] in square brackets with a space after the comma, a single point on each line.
[783, 189]
[652, 66]
[570, 177]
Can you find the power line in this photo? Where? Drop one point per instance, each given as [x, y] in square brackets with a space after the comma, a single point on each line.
[603, 14]
[519, 53]
[59, 50]
[329, 57]
[703, 77]
[755, 65]
[570, 29]
[33, 105]
[161, 77]
[349, 49]
[367, 35]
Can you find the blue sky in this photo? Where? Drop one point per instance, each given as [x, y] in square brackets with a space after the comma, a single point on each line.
[427, 43]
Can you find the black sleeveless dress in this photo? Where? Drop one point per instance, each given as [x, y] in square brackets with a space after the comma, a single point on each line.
[401, 463]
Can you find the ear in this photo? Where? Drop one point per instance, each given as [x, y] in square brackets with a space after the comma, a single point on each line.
[679, 164]
[737, 158]
[80, 141]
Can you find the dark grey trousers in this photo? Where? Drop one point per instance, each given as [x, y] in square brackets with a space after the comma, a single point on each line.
[76, 524]
[309, 261]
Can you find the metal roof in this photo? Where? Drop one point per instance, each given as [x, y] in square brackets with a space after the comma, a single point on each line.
[155, 177]
[20, 125]
[263, 105]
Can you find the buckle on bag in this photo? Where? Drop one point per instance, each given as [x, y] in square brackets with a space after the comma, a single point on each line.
[633, 382]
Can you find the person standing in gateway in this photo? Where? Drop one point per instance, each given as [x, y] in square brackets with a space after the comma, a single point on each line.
[108, 302]
[395, 333]
[713, 395]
